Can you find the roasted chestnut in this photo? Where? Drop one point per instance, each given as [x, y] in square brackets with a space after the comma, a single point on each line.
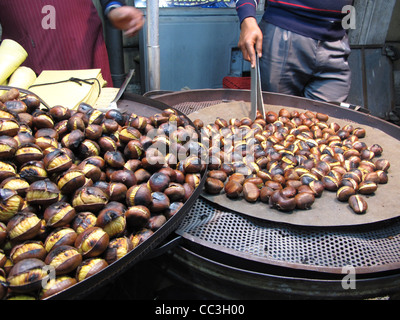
[93, 132]
[10, 204]
[56, 285]
[344, 193]
[42, 192]
[27, 250]
[140, 236]
[23, 226]
[90, 267]
[282, 203]
[9, 127]
[71, 180]
[73, 139]
[137, 216]
[63, 259]
[27, 275]
[8, 147]
[159, 202]
[7, 170]
[15, 183]
[28, 152]
[59, 237]
[57, 160]
[233, 189]
[92, 242]
[114, 159]
[59, 214]
[60, 113]
[158, 182]
[116, 191]
[33, 171]
[83, 221]
[127, 177]
[89, 199]
[156, 222]
[112, 221]
[88, 148]
[138, 195]
[117, 248]
[3, 232]
[175, 191]
[304, 201]
[358, 204]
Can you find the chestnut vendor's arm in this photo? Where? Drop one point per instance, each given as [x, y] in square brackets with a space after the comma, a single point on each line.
[126, 18]
[251, 37]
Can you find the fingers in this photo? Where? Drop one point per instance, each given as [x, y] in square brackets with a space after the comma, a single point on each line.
[128, 19]
[251, 54]
[250, 40]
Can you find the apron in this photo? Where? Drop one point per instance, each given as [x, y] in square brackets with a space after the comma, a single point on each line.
[57, 34]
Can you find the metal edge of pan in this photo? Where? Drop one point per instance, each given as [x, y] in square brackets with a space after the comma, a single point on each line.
[96, 281]
[331, 109]
[199, 268]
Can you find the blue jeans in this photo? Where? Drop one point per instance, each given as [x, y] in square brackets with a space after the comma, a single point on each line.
[297, 65]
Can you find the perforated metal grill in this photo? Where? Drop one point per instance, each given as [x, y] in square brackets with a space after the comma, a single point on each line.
[317, 249]
[306, 248]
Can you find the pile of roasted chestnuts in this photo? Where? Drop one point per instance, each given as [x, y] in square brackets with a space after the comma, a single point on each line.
[81, 188]
[290, 158]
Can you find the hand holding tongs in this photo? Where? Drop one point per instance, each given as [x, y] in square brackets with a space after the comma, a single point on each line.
[257, 102]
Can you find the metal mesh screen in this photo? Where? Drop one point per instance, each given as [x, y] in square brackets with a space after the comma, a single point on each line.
[276, 243]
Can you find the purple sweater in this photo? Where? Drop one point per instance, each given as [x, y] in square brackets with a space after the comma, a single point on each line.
[317, 19]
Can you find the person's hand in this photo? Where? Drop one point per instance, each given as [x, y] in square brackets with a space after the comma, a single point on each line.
[128, 19]
[250, 40]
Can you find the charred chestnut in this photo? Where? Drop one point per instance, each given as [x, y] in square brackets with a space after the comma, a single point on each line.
[59, 237]
[56, 285]
[10, 204]
[63, 259]
[27, 250]
[59, 214]
[27, 275]
[90, 267]
[89, 199]
[23, 226]
[57, 160]
[117, 248]
[28, 152]
[138, 195]
[137, 216]
[83, 221]
[159, 202]
[112, 221]
[92, 242]
[42, 192]
[71, 180]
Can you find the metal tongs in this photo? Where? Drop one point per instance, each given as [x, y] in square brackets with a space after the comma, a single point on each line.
[113, 104]
[257, 102]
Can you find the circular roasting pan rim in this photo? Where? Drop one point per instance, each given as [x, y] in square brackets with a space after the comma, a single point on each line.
[195, 230]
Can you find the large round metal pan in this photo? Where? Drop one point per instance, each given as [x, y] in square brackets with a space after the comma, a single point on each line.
[327, 211]
[225, 278]
[144, 107]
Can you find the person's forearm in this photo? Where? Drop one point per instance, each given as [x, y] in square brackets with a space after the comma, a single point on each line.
[107, 5]
[246, 8]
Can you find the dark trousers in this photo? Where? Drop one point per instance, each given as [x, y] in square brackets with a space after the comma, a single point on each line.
[297, 65]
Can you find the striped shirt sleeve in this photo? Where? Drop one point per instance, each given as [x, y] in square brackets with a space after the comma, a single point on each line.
[246, 8]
